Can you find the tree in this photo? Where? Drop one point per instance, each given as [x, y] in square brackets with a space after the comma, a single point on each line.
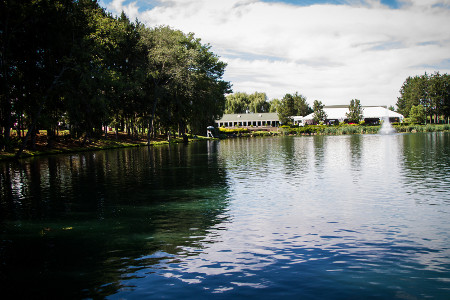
[258, 103]
[241, 103]
[319, 113]
[274, 104]
[34, 57]
[292, 105]
[411, 94]
[301, 107]
[417, 114]
[89, 70]
[355, 111]
[430, 91]
[237, 103]
[439, 93]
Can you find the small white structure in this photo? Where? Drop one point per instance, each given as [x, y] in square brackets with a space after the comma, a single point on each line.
[338, 113]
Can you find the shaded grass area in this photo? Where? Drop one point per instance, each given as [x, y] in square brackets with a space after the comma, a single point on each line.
[65, 144]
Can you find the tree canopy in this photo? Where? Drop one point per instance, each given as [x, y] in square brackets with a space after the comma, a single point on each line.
[319, 114]
[292, 105]
[88, 70]
[355, 111]
[430, 91]
[240, 103]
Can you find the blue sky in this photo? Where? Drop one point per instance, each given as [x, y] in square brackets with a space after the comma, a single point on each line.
[329, 50]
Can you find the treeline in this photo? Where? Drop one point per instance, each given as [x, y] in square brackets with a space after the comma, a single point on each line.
[428, 95]
[70, 63]
[290, 105]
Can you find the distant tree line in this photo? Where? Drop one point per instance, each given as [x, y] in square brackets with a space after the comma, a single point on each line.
[427, 95]
[69, 62]
[424, 98]
[290, 105]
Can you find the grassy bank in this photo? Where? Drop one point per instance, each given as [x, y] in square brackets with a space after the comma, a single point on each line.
[330, 130]
[67, 145]
[359, 129]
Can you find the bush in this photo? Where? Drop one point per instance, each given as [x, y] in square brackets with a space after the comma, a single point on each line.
[233, 130]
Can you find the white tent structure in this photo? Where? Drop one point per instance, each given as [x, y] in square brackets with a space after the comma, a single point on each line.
[338, 113]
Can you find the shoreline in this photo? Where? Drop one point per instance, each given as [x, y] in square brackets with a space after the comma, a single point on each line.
[310, 130]
[97, 145]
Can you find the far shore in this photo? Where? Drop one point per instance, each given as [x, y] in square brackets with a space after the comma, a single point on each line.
[64, 145]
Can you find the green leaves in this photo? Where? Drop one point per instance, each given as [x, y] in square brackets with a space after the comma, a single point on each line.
[355, 111]
[87, 68]
[292, 105]
[240, 103]
[319, 113]
[430, 91]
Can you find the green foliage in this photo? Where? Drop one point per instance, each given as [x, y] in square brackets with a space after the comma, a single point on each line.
[239, 103]
[319, 114]
[355, 111]
[274, 104]
[88, 69]
[417, 114]
[233, 130]
[292, 105]
[430, 91]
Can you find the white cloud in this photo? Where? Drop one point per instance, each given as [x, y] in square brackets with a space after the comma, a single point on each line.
[333, 53]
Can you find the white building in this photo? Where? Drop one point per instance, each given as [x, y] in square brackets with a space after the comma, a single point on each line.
[247, 120]
[338, 113]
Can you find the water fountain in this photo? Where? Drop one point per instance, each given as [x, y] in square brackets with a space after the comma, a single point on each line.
[386, 127]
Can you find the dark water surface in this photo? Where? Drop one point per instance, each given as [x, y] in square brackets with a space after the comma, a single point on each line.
[324, 217]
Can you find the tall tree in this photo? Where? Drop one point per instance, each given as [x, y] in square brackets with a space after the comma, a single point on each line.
[237, 103]
[430, 91]
[355, 111]
[258, 103]
[319, 114]
[417, 114]
[34, 57]
[274, 104]
[302, 107]
[292, 105]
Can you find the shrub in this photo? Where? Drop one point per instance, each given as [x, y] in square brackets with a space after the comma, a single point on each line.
[233, 130]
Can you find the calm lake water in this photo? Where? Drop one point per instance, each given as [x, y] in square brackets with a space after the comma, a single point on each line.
[322, 217]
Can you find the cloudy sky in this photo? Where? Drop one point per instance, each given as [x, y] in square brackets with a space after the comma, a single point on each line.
[329, 50]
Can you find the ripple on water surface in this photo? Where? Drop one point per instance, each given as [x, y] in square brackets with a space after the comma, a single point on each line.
[338, 217]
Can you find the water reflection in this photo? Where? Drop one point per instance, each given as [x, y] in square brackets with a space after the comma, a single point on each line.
[426, 161]
[339, 217]
[71, 225]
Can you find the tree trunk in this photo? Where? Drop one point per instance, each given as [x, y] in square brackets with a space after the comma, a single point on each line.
[38, 113]
[150, 124]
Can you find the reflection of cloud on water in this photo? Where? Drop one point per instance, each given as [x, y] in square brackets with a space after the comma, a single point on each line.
[360, 233]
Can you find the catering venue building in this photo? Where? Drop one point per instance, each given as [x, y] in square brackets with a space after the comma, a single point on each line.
[249, 120]
[335, 114]
[338, 113]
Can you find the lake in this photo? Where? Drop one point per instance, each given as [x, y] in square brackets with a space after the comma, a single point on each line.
[310, 217]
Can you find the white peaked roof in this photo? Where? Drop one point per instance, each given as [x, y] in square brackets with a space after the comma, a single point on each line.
[369, 112]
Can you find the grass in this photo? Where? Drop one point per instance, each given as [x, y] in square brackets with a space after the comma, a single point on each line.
[358, 129]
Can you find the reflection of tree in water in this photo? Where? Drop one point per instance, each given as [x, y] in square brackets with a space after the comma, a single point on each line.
[73, 225]
[356, 151]
[426, 162]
